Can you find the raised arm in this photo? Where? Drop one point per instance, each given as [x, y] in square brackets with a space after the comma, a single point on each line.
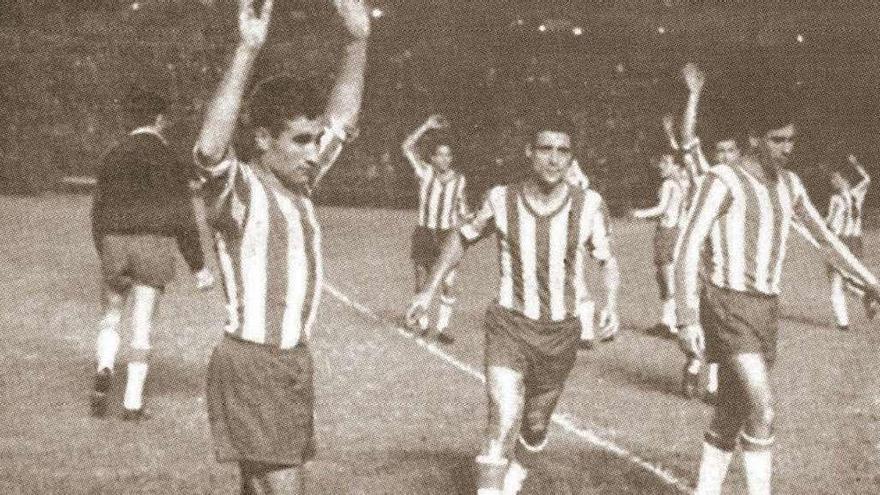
[345, 99]
[668, 122]
[862, 187]
[410, 144]
[694, 79]
[223, 110]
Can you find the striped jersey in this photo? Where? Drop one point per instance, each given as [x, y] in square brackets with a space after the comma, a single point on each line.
[668, 209]
[845, 211]
[442, 202]
[268, 245]
[747, 223]
[542, 256]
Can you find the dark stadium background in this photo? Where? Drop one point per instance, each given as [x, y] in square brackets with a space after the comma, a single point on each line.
[485, 64]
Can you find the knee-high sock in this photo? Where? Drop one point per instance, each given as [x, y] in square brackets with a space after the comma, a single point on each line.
[713, 469]
[444, 312]
[758, 463]
[491, 472]
[134, 386]
[668, 317]
[712, 382]
[108, 342]
[838, 301]
[586, 315]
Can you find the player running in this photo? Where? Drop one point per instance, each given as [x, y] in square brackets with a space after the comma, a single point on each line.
[545, 230]
[744, 210]
[259, 380]
[845, 221]
[142, 207]
[442, 207]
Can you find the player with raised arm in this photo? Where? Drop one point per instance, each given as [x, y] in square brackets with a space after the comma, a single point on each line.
[545, 230]
[259, 381]
[442, 207]
[667, 212]
[845, 221]
[142, 206]
[744, 210]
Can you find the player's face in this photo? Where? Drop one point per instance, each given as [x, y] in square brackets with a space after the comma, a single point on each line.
[294, 151]
[666, 165]
[727, 151]
[838, 182]
[442, 157]
[551, 156]
[776, 146]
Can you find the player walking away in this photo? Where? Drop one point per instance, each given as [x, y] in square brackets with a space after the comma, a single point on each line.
[845, 221]
[442, 207]
[667, 212]
[545, 230]
[142, 206]
[744, 210]
[259, 378]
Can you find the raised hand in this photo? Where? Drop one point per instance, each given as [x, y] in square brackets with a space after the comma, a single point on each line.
[437, 121]
[356, 16]
[693, 77]
[252, 27]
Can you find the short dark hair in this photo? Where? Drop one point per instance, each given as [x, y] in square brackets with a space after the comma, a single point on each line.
[142, 106]
[278, 99]
[552, 121]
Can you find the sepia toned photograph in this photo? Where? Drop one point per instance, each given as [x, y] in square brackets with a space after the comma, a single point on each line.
[439, 247]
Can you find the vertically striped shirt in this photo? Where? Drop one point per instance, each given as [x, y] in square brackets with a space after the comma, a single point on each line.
[668, 209]
[442, 202]
[747, 222]
[542, 256]
[845, 211]
[268, 245]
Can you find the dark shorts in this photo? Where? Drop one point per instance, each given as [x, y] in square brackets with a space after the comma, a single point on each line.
[136, 259]
[261, 403]
[738, 323]
[664, 245]
[427, 245]
[544, 353]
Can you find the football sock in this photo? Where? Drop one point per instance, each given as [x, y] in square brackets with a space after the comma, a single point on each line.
[134, 387]
[712, 382]
[514, 478]
[444, 312]
[758, 463]
[713, 469]
[838, 302]
[491, 472]
[586, 315]
[108, 345]
[668, 317]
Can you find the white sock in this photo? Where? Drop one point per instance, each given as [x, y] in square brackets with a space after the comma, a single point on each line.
[838, 302]
[586, 315]
[712, 382]
[108, 346]
[444, 313]
[713, 470]
[668, 317]
[694, 366]
[759, 470]
[134, 387]
[514, 478]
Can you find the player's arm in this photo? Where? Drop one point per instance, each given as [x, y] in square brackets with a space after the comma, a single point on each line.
[860, 189]
[668, 122]
[600, 244]
[690, 144]
[464, 211]
[410, 144]
[344, 103]
[834, 251]
[222, 114]
[665, 197]
[712, 198]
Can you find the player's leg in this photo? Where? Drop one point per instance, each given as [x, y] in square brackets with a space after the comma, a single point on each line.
[722, 435]
[667, 272]
[587, 318]
[144, 305]
[420, 254]
[444, 311]
[505, 391]
[261, 479]
[752, 374]
[107, 346]
[712, 382]
[838, 301]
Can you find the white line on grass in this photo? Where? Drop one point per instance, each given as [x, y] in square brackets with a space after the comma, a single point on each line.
[565, 421]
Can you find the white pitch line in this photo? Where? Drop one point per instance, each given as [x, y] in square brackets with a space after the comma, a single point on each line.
[567, 422]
